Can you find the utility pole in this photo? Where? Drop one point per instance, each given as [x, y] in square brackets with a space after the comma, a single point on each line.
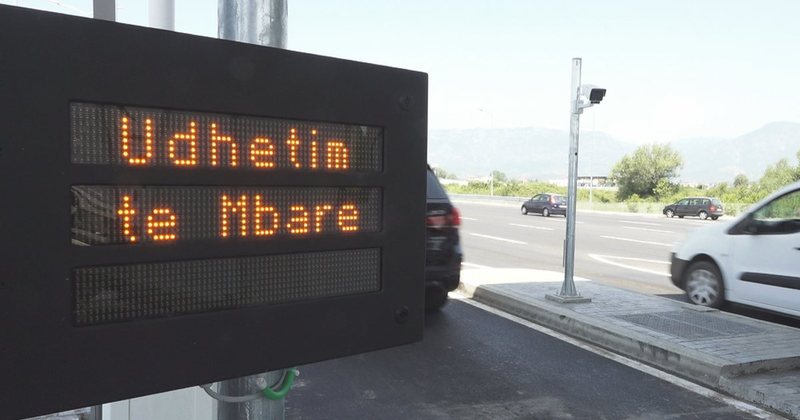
[578, 101]
[161, 14]
[261, 22]
[491, 128]
[105, 10]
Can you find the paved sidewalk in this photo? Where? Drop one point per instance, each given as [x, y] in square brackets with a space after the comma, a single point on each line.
[753, 360]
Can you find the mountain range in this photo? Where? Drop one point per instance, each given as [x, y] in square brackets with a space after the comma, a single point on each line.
[543, 154]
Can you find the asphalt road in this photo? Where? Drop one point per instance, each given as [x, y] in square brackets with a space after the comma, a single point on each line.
[473, 364]
[623, 250]
[627, 250]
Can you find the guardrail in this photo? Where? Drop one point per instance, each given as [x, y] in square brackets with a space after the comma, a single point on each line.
[642, 207]
[494, 198]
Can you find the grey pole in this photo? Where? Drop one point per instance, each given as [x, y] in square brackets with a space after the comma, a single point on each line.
[491, 171]
[261, 22]
[105, 9]
[569, 294]
[161, 14]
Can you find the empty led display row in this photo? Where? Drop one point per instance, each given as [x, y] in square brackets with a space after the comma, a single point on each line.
[166, 289]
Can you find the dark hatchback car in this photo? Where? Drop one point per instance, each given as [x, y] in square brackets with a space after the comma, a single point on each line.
[546, 204]
[443, 248]
[702, 207]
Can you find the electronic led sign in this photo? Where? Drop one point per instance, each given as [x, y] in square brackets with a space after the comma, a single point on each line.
[180, 210]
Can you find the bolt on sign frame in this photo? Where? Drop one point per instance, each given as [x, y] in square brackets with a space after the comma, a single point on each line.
[178, 210]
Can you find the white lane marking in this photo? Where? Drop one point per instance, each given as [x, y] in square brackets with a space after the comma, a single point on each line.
[560, 219]
[468, 218]
[648, 229]
[531, 227]
[605, 259]
[471, 265]
[641, 367]
[637, 241]
[499, 239]
[639, 223]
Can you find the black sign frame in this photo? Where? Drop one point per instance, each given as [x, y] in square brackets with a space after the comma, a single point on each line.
[48, 61]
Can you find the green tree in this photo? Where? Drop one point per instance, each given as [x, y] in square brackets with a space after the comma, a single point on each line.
[741, 181]
[640, 172]
[664, 189]
[778, 175]
[499, 176]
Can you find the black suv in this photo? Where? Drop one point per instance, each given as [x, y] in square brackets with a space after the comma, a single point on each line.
[443, 248]
[546, 204]
[702, 207]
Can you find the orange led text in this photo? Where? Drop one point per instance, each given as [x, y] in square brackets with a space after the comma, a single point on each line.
[211, 145]
[253, 215]
[160, 224]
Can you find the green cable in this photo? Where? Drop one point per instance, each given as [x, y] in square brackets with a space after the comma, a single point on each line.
[288, 380]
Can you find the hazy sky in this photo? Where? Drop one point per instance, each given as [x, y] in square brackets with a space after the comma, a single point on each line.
[673, 69]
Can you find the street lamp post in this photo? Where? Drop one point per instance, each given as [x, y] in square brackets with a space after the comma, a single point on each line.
[491, 170]
[581, 96]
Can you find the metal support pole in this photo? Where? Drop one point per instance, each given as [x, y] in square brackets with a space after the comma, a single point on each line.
[105, 9]
[261, 22]
[161, 14]
[260, 409]
[569, 294]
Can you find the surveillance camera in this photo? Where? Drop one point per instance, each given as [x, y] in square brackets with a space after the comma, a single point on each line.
[594, 93]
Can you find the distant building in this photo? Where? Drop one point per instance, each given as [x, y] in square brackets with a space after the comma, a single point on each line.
[600, 181]
[594, 181]
[453, 181]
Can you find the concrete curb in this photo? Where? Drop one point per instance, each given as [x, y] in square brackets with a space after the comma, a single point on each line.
[694, 365]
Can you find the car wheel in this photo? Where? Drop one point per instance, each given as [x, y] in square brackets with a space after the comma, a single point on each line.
[703, 284]
[435, 298]
[702, 215]
[714, 217]
[546, 213]
[524, 210]
[670, 213]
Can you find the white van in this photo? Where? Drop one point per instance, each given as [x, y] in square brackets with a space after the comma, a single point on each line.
[752, 260]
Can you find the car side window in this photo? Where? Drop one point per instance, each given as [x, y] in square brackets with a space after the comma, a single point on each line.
[781, 215]
[786, 207]
[683, 202]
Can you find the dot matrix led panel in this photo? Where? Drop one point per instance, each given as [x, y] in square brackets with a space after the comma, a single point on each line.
[129, 292]
[133, 136]
[179, 210]
[169, 214]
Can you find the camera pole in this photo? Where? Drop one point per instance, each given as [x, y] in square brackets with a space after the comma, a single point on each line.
[569, 294]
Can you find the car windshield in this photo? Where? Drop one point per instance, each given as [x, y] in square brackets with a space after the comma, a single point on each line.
[559, 199]
[716, 202]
